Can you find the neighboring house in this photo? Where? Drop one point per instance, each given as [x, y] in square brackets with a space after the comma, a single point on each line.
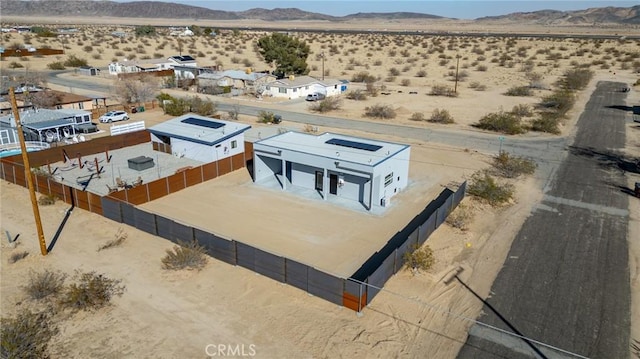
[192, 72]
[181, 32]
[300, 86]
[49, 125]
[236, 79]
[200, 138]
[148, 65]
[89, 71]
[367, 171]
[53, 99]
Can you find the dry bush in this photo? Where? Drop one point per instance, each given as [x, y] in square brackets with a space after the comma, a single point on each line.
[421, 73]
[91, 291]
[519, 91]
[185, 255]
[504, 122]
[460, 217]
[510, 166]
[522, 110]
[405, 82]
[16, 256]
[560, 102]
[266, 117]
[47, 199]
[417, 116]
[363, 77]
[484, 187]
[547, 122]
[442, 90]
[56, 65]
[43, 284]
[417, 259]
[481, 68]
[477, 86]
[380, 111]
[326, 105]
[74, 61]
[357, 95]
[15, 65]
[575, 79]
[27, 335]
[441, 116]
[120, 237]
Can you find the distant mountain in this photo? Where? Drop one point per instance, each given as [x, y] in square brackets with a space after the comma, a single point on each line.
[604, 15]
[165, 10]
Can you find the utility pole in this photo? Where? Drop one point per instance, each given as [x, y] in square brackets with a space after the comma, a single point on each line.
[27, 172]
[455, 88]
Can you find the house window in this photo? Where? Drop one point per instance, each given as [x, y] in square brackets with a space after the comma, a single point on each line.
[79, 119]
[295, 89]
[282, 90]
[81, 106]
[335, 87]
[388, 179]
[59, 107]
[86, 118]
[234, 144]
[5, 137]
[306, 87]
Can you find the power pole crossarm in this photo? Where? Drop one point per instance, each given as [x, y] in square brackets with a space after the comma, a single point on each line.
[27, 170]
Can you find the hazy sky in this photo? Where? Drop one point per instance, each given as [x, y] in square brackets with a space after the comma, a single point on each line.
[468, 9]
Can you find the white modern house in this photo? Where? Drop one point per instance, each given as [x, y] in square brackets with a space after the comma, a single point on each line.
[129, 66]
[300, 86]
[368, 171]
[200, 138]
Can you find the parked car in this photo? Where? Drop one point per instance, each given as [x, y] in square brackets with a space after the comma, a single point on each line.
[315, 96]
[113, 116]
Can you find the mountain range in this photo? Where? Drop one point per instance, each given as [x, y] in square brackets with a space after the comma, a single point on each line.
[156, 9]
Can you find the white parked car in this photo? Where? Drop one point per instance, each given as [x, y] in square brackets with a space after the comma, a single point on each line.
[113, 116]
[317, 96]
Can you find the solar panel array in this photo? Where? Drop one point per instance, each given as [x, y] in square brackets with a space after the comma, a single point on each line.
[202, 123]
[353, 144]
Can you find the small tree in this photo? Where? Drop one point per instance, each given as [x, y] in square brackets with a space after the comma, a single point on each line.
[289, 54]
[138, 89]
[417, 259]
[202, 107]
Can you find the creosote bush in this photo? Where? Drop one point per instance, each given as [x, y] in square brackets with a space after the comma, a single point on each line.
[43, 284]
[91, 291]
[417, 116]
[486, 188]
[74, 61]
[510, 166]
[27, 335]
[504, 122]
[380, 111]
[185, 255]
[519, 91]
[357, 95]
[559, 101]
[417, 259]
[575, 79]
[56, 65]
[460, 217]
[546, 122]
[326, 105]
[266, 117]
[47, 199]
[441, 116]
[522, 110]
[442, 90]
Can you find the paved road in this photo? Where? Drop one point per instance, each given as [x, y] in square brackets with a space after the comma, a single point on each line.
[566, 279]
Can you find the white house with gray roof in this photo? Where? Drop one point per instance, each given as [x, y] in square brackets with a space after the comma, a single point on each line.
[129, 66]
[368, 171]
[300, 86]
[49, 125]
[236, 79]
[200, 138]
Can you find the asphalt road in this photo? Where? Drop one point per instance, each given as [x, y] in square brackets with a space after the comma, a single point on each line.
[566, 279]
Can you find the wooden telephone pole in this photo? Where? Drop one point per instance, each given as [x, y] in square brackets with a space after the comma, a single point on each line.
[27, 172]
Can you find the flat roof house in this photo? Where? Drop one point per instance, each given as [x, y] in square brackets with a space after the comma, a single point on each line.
[363, 170]
[200, 138]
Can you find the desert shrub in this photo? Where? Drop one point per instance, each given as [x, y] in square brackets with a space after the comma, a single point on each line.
[15, 65]
[417, 259]
[372, 90]
[74, 61]
[202, 107]
[575, 79]
[185, 255]
[510, 166]
[522, 110]
[421, 73]
[441, 116]
[363, 77]
[504, 122]
[56, 65]
[477, 86]
[380, 111]
[460, 217]
[120, 237]
[519, 91]
[405, 82]
[481, 68]
[442, 90]
[27, 335]
[394, 72]
[357, 95]
[486, 188]
[546, 122]
[559, 101]
[266, 117]
[16, 256]
[417, 116]
[91, 291]
[326, 105]
[43, 284]
[47, 199]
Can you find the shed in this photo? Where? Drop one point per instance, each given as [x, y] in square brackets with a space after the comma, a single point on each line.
[200, 138]
[364, 170]
[89, 71]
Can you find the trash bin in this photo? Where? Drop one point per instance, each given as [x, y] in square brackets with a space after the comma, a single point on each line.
[134, 109]
[141, 109]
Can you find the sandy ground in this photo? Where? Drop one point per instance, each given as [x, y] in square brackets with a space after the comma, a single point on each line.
[230, 305]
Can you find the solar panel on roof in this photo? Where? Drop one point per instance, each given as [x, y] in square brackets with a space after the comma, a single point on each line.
[353, 144]
[202, 123]
[187, 58]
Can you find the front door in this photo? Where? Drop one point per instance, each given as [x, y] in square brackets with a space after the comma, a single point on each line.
[333, 184]
[319, 180]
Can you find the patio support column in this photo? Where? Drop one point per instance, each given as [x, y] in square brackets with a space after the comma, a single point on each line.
[371, 192]
[325, 183]
[283, 169]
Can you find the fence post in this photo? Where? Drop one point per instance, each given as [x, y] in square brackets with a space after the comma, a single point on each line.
[14, 174]
[359, 298]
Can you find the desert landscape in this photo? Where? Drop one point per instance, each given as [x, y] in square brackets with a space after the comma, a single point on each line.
[169, 314]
